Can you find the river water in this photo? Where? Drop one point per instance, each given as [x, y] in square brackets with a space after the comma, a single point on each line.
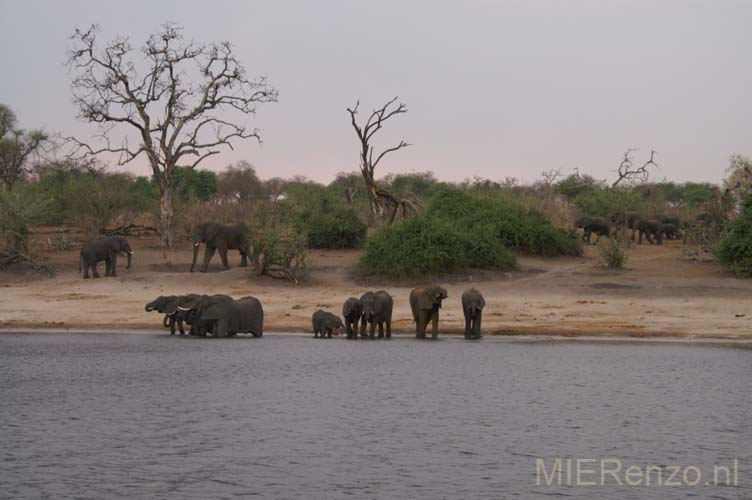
[111, 416]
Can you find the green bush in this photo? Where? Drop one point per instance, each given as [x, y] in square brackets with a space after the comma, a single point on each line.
[520, 229]
[432, 245]
[611, 252]
[604, 202]
[339, 228]
[735, 249]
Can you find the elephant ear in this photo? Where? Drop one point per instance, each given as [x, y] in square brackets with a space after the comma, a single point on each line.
[425, 300]
[212, 231]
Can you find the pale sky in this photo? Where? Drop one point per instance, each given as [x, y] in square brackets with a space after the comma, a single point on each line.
[494, 88]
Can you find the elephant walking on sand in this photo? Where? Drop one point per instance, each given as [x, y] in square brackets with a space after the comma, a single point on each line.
[222, 237]
[107, 250]
[425, 303]
[472, 306]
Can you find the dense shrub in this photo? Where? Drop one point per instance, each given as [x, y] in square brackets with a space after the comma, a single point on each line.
[611, 252]
[519, 228]
[20, 208]
[433, 245]
[339, 228]
[735, 249]
[603, 202]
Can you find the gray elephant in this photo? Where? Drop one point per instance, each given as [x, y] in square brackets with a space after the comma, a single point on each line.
[167, 305]
[472, 307]
[352, 310]
[222, 237]
[326, 323]
[650, 229]
[223, 317]
[377, 310]
[425, 303]
[107, 250]
[670, 231]
[590, 225]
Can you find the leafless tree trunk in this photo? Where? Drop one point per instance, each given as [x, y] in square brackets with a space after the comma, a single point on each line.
[175, 109]
[627, 171]
[377, 197]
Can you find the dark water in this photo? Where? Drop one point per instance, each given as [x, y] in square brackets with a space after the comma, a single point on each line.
[140, 416]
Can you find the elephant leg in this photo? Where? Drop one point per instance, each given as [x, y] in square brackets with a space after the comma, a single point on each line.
[381, 329]
[468, 321]
[372, 330]
[180, 326]
[223, 256]
[389, 328]
[355, 329]
[220, 329]
[208, 254]
[107, 266]
[86, 270]
[363, 327]
[435, 324]
[589, 234]
[172, 325]
[476, 325]
[417, 326]
[94, 272]
[113, 265]
[243, 258]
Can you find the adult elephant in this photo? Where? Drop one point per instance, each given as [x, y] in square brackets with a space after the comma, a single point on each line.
[226, 317]
[650, 229]
[377, 310]
[107, 250]
[472, 307]
[222, 237]
[352, 311]
[590, 225]
[425, 303]
[167, 305]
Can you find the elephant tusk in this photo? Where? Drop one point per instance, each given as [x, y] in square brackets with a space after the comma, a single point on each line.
[196, 244]
[184, 308]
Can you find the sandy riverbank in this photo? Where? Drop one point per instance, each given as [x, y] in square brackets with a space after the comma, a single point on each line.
[659, 295]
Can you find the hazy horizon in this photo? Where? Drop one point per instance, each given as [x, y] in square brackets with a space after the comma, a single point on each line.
[494, 89]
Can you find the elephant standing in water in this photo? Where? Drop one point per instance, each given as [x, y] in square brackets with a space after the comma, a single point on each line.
[472, 306]
[425, 303]
[107, 250]
[326, 324]
[377, 310]
[352, 310]
[223, 316]
[235, 236]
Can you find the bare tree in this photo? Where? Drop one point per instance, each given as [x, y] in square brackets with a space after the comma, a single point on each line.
[175, 107]
[627, 171]
[379, 198]
[17, 148]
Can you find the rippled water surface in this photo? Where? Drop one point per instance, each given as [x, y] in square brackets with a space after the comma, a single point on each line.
[145, 416]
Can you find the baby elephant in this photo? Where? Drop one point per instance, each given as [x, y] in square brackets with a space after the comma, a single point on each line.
[472, 305]
[352, 310]
[326, 323]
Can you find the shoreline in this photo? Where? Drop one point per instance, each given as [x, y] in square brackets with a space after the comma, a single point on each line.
[690, 340]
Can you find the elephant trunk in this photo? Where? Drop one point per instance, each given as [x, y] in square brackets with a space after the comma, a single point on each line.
[195, 255]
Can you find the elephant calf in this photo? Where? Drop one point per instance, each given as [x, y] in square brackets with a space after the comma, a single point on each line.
[425, 303]
[326, 323]
[107, 250]
[377, 310]
[472, 306]
[352, 310]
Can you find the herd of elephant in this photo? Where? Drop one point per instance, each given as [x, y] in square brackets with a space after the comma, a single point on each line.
[653, 230]
[223, 316]
[216, 237]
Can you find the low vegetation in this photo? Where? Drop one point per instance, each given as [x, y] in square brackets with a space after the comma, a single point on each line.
[735, 249]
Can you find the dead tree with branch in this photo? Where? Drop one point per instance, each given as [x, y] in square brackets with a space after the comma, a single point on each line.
[176, 107]
[628, 172]
[379, 198]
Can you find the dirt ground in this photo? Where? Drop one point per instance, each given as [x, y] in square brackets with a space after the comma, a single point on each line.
[659, 294]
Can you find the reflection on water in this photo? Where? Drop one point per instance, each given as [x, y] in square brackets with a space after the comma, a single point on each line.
[141, 416]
